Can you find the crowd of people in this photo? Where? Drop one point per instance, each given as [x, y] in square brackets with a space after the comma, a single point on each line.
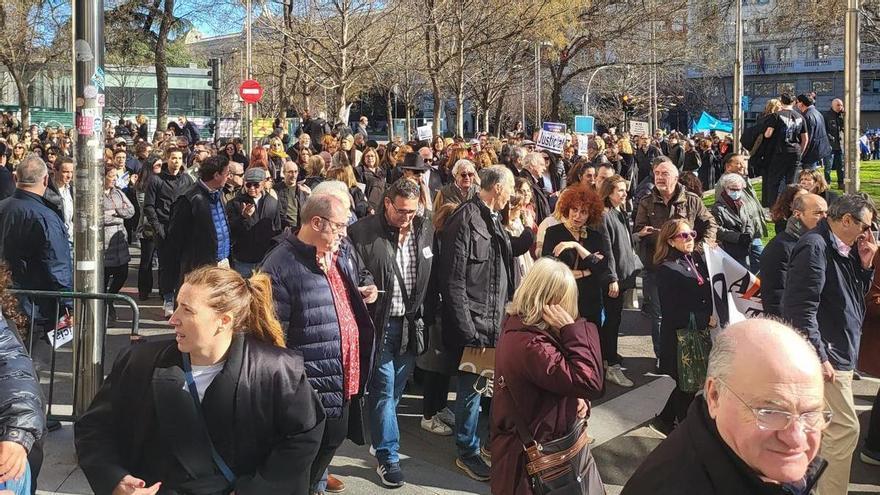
[308, 279]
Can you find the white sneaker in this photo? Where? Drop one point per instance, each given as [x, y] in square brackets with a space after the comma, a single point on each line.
[168, 307]
[447, 417]
[435, 426]
[615, 375]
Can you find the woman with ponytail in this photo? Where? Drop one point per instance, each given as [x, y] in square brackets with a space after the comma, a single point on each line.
[222, 408]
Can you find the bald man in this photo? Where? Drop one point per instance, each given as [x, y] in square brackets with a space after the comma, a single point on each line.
[757, 428]
[834, 128]
[806, 212]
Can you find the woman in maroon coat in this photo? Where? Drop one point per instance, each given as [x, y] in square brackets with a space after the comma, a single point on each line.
[551, 385]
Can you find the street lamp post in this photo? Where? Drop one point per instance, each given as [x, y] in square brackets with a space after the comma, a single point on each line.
[851, 93]
[590, 83]
[738, 78]
[538, 119]
[249, 107]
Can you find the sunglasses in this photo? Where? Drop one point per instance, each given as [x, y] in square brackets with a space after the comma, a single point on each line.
[467, 174]
[252, 184]
[685, 236]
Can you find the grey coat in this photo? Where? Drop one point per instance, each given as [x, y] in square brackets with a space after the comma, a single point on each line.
[624, 263]
[117, 208]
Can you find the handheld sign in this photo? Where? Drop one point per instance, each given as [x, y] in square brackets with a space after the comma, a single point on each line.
[584, 124]
[425, 132]
[554, 127]
[553, 142]
[639, 128]
[583, 144]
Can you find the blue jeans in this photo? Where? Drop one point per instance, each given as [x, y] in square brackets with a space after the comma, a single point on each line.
[386, 388]
[21, 486]
[467, 415]
[651, 302]
[755, 251]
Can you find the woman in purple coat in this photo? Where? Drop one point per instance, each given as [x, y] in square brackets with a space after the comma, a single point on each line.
[551, 365]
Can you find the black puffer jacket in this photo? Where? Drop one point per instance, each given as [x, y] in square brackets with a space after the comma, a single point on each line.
[21, 401]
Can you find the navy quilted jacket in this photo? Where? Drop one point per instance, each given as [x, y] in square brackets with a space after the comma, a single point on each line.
[305, 308]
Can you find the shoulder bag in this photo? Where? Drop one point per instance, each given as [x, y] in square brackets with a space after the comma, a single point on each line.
[692, 353]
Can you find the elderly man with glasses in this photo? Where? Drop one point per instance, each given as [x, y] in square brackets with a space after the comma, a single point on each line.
[829, 274]
[758, 425]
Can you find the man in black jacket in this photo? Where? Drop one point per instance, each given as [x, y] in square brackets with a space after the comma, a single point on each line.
[834, 128]
[830, 272]
[533, 171]
[806, 212]
[198, 231]
[757, 428]
[395, 245]
[477, 277]
[160, 195]
[254, 222]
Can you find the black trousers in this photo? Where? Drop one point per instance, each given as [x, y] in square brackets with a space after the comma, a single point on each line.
[335, 432]
[781, 171]
[114, 278]
[167, 275]
[435, 389]
[610, 330]
[145, 268]
[872, 441]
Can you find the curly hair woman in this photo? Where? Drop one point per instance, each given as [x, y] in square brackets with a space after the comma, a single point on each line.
[582, 243]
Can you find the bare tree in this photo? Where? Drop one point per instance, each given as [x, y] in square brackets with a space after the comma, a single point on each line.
[30, 42]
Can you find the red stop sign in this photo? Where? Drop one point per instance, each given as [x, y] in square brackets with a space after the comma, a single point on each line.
[250, 91]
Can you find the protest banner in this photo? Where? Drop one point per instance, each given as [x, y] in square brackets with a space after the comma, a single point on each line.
[553, 142]
[736, 292]
[639, 128]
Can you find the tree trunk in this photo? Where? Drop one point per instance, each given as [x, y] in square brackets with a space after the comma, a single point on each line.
[24, 104]
[499, 108]
[284, 97]
[486, 120]
[438, 101]
[409, 132]
[555, 99]
[389, 109]
[161, 67]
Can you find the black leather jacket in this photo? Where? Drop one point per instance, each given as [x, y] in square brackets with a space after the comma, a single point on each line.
[21, 401]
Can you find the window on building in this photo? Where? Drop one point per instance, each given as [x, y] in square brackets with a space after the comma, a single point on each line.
[764, 89]
[761, 26]
[785, 87]
[784, 54]
[823, 87]
[821, 51]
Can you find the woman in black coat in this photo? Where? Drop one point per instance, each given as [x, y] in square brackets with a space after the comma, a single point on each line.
[582, 243]
[223, 408]
[684, 287]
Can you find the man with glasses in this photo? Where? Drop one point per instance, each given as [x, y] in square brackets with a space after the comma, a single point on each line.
[463, 187]
[254, 221]
[321, 291]
[829, 275]
[757, 427]
[395, 245]
[235, 181]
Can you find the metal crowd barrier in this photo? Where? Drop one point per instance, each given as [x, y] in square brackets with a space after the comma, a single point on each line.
[78, 332]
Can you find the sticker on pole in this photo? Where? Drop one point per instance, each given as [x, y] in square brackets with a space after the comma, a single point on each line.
[639, 128]
[553, 142]
[250, 91]
[63, 332]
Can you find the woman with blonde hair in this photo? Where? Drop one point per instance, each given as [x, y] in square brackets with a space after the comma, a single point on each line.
[814, 181]
[547, 366]
[314, 168]
[346, 176]
[277, 155]
[223, 407]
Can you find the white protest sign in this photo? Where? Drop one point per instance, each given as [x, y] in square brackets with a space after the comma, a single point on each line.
[639, 128]
[62, 334]
[425, 132]
[553, 142]
[583, 144]
[736, 292]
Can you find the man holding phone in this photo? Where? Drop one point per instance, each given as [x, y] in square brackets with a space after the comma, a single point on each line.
[667, 200]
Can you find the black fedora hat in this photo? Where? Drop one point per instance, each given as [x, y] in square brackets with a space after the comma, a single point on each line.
[414, 161]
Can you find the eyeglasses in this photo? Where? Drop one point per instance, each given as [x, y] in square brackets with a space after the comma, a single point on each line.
[406, 213]
[864, 226]
[252, 184]
[417, 172]
[769, 419]
[335, 228]
[467, 174]
[685, 236]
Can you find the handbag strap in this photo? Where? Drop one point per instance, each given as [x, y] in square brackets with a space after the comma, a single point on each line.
[193, 391]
